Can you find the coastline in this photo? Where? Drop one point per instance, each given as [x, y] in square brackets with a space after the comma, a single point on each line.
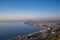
[46, 30]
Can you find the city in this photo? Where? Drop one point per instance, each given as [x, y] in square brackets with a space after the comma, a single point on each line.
[29, 19]
[48, 30]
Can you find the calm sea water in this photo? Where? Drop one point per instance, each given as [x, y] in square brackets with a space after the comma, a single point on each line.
[12, 29]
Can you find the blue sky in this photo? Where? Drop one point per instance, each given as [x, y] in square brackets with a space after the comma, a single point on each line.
[25, 9]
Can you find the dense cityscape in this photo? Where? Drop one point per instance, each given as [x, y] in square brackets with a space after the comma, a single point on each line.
[29, 19]
[49, 31]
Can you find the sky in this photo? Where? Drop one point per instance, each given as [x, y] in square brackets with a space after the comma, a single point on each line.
[29, 9]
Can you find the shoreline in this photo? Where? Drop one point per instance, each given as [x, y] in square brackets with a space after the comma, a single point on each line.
[41, 33]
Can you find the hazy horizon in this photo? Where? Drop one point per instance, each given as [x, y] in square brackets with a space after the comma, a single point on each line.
[29, 9]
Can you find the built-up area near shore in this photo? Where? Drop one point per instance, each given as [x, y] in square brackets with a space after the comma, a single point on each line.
[50, 31]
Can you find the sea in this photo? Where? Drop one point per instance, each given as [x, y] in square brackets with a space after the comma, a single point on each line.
[13, 29]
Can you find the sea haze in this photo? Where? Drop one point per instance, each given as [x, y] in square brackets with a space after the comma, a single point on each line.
[12, 29]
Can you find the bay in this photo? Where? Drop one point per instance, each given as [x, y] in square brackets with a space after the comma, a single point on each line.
[12, 29]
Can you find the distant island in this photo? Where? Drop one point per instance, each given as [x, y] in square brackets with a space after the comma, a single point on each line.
[50, 31]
